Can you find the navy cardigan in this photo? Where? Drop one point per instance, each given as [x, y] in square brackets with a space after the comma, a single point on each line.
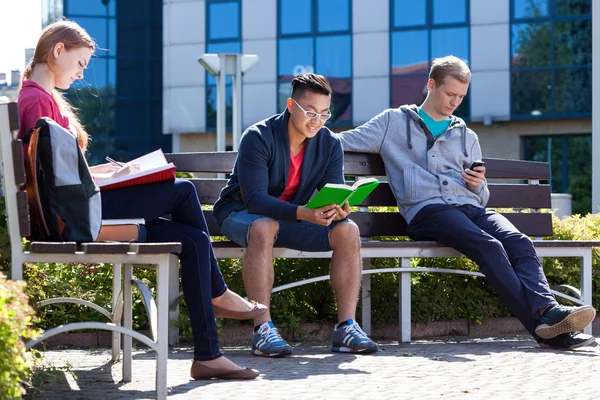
[262, 165]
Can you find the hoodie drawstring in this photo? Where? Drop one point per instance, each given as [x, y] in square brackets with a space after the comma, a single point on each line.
[408, 135]
[463, 139]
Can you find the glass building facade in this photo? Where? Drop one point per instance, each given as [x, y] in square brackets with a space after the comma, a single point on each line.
[551, 58]
[120, 97]
[316, 36]
[223, 35]
[422, 30]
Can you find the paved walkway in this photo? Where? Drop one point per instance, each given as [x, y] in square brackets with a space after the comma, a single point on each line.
[475, 369]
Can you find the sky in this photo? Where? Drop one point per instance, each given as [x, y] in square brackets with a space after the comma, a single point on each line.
[20, 27]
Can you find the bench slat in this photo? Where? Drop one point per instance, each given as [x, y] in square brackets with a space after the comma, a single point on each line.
[358, 164]
[13, 116]
[393, 224]
[105, 248]
[23, 213]
[214, 162]
[502, 195]
[155, 248]
[53, 247]
[18, 162]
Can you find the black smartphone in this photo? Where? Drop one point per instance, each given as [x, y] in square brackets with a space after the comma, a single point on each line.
[476, 164]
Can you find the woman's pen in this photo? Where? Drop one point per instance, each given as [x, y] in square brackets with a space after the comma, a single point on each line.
[113, 161]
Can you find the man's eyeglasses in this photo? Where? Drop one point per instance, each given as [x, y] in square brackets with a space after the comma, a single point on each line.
[312, 114]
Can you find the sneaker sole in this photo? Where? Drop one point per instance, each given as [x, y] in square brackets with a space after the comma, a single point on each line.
[349, 350]
[571, 323]
[286, 352]
[575, 346]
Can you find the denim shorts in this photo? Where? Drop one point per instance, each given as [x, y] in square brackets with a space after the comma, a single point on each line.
[302, 235]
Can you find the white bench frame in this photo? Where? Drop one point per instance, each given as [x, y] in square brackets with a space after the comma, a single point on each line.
[165, 264]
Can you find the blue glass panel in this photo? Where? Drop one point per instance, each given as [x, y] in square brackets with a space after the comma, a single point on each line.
[530, 8]
[573, 7]
[341, 102]
[112, 5]
[283, 92]
[449, 12]
[86, 7]
[530, 92]
[112, 73]
[573, 90]
[334, 15]
[454, 41]
[295, 57]
[224, 20]
[531, 45]
[409, 89]
[211, 106]
[96, 27]
[410, 52]
[334, 58]
[112, 37]
[410, 13]
[296, 16]
[573, 42]
[225, 47]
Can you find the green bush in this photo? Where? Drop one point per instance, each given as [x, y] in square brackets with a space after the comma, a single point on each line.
[16, 317]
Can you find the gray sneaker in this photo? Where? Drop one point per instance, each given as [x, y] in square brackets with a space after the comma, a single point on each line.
[352, 339]
[267, 342]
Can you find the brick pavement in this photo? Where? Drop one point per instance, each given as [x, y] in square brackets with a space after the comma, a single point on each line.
[472, 369]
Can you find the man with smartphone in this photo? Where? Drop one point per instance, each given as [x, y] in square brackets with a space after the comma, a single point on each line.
[433, 163]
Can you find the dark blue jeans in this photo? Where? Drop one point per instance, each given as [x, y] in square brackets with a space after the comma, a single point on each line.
[504, 255]
[201, 278]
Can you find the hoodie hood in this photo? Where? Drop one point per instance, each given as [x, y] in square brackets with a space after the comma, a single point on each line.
[456, 123]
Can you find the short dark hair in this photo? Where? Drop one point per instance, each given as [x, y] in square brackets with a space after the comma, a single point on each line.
[312, 82]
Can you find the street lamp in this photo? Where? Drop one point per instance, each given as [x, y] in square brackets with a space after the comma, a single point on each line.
[221, 65]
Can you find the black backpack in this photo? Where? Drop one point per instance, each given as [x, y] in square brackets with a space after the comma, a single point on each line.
[64, 201]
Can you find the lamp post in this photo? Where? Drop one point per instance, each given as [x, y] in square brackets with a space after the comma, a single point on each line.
[221, 65]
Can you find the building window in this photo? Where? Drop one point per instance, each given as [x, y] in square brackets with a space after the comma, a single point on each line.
[422, 30]
[120, 97]
[223, 33]
[551, 58]
[315, 36]
[570, 159]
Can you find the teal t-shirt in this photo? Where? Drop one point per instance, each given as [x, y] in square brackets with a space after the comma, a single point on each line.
[435, 127]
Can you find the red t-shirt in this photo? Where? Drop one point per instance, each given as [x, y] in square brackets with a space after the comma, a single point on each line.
[34, 102]
[294, 176]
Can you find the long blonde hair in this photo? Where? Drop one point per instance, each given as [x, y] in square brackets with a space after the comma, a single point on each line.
[72, 36]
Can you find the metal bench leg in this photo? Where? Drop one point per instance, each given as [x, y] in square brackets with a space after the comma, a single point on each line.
[586, 283]
[162, 340]
[174, 308]
[366, 298]
[127, 320]
[117, 287]
[404, 300]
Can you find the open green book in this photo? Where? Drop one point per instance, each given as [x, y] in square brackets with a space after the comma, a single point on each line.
[334, 193]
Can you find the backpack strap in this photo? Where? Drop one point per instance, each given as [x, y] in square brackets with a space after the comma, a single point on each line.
[39, 228]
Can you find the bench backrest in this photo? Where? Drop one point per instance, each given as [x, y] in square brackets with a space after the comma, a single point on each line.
[13, 176]
[513, 184]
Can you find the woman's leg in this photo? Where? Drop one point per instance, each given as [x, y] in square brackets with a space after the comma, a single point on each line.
[177, 198]
[195, 280]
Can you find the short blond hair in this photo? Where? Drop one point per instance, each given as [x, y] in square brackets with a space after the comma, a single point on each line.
[449, 66]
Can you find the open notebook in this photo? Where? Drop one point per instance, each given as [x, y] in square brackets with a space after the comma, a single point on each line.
[149, 168]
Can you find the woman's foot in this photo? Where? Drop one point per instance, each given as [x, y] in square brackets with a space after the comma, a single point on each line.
[221, 368]
[231, 305]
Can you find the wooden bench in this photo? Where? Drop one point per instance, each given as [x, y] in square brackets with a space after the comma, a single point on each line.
[123, 256]
[524, 193]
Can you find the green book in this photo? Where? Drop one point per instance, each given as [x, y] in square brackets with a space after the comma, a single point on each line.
[334, 193]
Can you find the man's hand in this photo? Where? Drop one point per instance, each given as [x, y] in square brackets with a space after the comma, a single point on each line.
[474, 177]
[342, 213]
[320, 216]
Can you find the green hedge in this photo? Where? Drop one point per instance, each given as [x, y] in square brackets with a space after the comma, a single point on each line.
[16, 318]
[434, 296]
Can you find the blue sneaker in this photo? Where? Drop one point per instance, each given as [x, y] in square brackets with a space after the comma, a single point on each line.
[559, 319]
[351, 338]
[267, 342]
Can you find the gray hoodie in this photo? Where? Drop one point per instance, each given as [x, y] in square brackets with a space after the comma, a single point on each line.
[421, 170]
